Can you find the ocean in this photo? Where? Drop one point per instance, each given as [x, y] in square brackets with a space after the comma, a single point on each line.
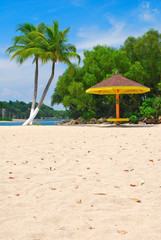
[41, 122]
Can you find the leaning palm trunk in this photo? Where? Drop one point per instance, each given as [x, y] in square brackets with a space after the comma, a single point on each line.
[35, 112]
[35, 89]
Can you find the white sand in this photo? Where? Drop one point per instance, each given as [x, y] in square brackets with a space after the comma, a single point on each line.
[70, 183]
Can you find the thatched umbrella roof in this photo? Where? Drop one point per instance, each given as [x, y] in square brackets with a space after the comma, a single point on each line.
[118, 84]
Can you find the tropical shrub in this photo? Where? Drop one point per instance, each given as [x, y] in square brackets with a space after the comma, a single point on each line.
[89, 114]
[134, 119]
[147, 109]
[157, 106]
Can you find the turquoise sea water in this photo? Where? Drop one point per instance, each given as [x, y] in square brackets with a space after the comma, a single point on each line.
[41, 122]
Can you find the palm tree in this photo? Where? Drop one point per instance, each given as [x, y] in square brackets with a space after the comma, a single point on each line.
[53, 47]
[24, 47]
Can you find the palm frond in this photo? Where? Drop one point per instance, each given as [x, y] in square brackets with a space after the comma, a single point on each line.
[25, 28]
[49, 33]
[44, 42]
[69, 48]
[69, 55]
[32, 51]
[64, 33]
[47, 56]
[14, 48]
[41, 27]
[22, 39]
[19, 53]
[56, 27]
[36, 34]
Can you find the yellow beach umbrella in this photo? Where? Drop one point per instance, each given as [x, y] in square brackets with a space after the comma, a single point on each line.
[117, 84]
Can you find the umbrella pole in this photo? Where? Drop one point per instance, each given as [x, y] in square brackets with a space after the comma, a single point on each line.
[117, 107]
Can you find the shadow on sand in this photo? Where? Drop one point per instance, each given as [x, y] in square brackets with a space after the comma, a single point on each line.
[126, 126]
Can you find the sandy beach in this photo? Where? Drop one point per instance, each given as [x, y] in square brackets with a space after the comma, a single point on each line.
[80, 182]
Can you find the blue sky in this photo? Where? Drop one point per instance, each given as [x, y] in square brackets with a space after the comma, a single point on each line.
[92, 22]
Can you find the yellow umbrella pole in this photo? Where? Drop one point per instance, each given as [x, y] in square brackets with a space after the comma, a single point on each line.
[117, 106]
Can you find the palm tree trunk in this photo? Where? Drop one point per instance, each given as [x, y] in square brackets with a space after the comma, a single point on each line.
[35, 89]
[31, 118]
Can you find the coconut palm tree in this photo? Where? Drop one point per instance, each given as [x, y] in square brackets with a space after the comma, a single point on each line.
[55, 48]
[24, 47]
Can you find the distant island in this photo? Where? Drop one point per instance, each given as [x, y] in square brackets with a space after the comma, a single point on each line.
[21, 110]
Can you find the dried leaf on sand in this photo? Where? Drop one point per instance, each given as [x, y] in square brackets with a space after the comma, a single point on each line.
[90, 227]
[136, 200]
[132, 185]
[100, 194]
[122, 232]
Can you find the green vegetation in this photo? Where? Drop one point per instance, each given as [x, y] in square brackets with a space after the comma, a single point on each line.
[134, 119]
[5, 119]
[21, 110]
[157, 106]
[151, 107]
[138, 59]
[146, 109]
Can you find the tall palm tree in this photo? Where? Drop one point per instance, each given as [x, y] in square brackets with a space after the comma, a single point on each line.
[24, 47]
[55, 48]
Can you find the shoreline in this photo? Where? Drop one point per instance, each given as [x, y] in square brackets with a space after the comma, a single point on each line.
[79, 125]
[23, 120]
[91, 121]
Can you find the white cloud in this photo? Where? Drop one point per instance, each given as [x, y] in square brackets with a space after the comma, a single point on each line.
[145, 4]
[17, 81]
[6, 93]
[146, 13]
[147, 16]
[120, 30]
[93, 35]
